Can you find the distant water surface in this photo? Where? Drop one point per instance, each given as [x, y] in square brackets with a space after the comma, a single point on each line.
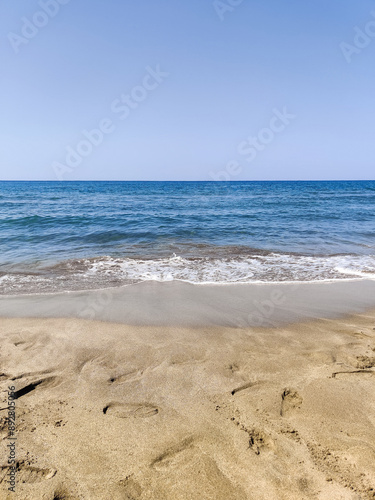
[79, 235]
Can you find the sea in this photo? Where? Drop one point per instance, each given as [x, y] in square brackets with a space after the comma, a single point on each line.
[65, 236]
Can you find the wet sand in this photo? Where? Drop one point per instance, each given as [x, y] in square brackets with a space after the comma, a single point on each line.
[177, 303]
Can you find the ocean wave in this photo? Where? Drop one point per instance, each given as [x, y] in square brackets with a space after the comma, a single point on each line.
[107, 271]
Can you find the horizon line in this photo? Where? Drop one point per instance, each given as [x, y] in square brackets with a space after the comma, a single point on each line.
[184, 180]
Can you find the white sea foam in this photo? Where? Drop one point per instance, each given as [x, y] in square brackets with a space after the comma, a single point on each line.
[268, 268]
[108, 271]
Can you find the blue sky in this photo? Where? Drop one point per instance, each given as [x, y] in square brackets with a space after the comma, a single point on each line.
[220, 75]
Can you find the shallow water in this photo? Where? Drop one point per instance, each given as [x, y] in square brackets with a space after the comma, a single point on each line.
[80, 235]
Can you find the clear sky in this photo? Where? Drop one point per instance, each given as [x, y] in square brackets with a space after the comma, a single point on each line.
[187, 90]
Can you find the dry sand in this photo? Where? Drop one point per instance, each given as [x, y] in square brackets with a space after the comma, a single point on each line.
[108, 411]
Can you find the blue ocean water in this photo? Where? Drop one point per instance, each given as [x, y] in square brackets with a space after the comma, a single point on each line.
[78, 235]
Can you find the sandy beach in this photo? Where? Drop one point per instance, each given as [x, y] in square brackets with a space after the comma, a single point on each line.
[187, 250]
[107, 410]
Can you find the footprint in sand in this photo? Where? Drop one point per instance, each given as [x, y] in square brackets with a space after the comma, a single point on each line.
[41, 383]
[26, 474]
[129, 489]
[243, 387]
[259, 441]
[20, 343]
[130, 410]
[290, 400]
[29, 340]
[62, 494]
[30, 374]
[233, 367]
[364, 362]
[126, 377]
[171, 454]
[196, 472]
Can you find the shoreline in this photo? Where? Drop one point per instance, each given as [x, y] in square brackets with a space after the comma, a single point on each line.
[195, 283]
